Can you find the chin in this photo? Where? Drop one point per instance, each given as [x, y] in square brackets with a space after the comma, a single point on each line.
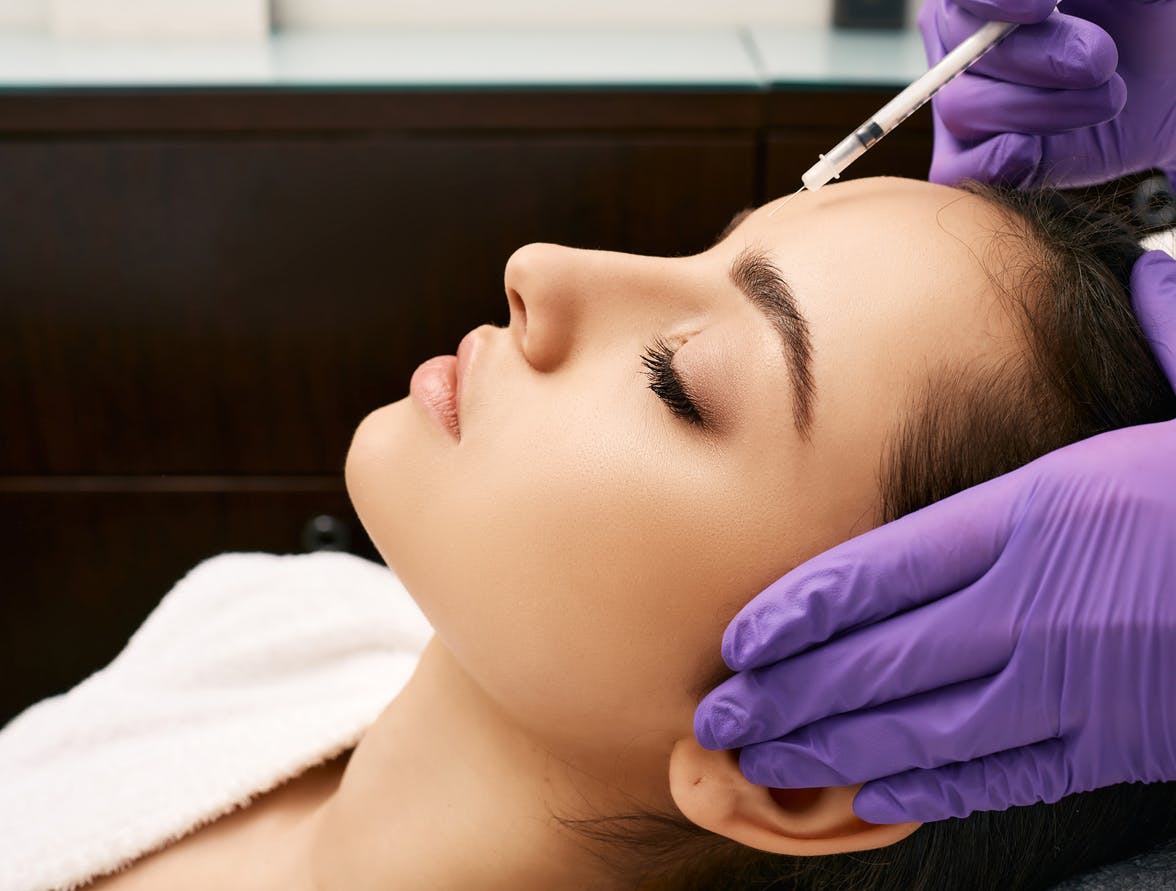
[384, 473]
[401, 482]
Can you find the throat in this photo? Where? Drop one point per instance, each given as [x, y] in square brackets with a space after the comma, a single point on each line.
[444, 792]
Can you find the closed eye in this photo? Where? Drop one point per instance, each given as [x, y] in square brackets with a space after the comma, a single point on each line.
[664, 381]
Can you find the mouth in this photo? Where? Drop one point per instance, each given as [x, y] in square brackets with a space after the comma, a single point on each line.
[465, 357]
[437, 384]
[434, 386]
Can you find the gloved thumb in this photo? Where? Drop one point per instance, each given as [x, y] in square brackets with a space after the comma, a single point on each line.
[995, 782]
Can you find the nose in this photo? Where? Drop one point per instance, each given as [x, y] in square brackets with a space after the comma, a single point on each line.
[542, 291]
[562, 298]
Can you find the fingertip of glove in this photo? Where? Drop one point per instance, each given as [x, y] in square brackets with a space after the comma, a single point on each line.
[732, 648]
[717, 725]
[741, 641]
[1023, 12]
[1091, 49]
[1117, 94]
[876, 804]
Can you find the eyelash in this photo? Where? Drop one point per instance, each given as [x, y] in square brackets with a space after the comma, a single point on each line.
[664, 381]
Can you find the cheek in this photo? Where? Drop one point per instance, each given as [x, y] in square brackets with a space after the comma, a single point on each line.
[581, 564]
[569, 554]
[590, 579]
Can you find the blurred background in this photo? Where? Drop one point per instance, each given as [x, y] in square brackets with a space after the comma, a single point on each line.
[229, 229]
[250, 16]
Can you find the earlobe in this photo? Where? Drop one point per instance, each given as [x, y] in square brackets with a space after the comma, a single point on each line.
[711, 792]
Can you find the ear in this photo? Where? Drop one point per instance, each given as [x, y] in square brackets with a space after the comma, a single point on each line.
[712, 792]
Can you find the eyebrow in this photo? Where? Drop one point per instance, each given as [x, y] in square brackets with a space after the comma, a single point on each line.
[763, 284]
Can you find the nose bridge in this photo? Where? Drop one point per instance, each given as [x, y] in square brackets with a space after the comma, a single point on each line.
[561, 297]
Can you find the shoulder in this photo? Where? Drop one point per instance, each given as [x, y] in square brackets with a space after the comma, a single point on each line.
[252, 668]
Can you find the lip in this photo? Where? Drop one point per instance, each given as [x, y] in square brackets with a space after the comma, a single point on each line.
[437, 384]
[465, 357]
[434, 386]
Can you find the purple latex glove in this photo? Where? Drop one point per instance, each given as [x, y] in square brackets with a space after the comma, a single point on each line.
[1081, 97]
[1014, 643]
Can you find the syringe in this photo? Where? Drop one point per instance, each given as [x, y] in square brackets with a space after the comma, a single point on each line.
[832, 165]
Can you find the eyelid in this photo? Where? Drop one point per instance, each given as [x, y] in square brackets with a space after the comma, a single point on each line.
[709, 363]
[690, 392]
[668, 385]
[702, 405]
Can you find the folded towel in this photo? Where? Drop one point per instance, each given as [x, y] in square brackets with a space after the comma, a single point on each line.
[251, 670]
[1164, 240]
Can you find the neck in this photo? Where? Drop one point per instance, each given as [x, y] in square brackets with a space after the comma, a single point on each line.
[444, 791]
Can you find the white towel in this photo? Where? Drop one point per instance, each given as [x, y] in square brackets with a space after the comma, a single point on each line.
[1164, 240]
[251, 670]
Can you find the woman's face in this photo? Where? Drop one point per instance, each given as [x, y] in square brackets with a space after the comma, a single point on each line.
[582, 547]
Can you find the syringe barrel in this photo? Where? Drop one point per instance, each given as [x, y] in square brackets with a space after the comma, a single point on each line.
[906, 103]
[947, 69]
[830, 164]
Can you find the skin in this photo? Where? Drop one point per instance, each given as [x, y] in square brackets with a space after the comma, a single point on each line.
[580, 550]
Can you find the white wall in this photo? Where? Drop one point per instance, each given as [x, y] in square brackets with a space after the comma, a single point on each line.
[24, 13]
[330, 13]
[16, 14]
[335, 13]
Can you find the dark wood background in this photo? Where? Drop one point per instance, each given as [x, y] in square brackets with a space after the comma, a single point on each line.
[202, 293]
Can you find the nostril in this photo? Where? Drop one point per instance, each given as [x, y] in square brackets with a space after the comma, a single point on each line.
[517, 323]
[517, 309]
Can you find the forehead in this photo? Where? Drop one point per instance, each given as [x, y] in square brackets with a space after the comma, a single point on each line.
[894, 208]
[895, 279]
[904, 262]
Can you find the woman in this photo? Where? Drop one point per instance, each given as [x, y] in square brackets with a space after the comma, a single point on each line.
[643, 427]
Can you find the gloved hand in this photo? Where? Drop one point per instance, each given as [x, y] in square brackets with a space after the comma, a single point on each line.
[1055, 103]
[1011, 644]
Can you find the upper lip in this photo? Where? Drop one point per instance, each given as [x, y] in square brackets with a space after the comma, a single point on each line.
[466, 351]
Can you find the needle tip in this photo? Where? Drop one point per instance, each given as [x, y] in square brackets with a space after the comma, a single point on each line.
[785, 201]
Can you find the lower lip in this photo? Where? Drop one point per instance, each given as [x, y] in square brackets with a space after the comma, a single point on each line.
[434, 384]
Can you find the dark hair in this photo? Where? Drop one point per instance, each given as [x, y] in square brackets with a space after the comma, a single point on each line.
[1087, 369]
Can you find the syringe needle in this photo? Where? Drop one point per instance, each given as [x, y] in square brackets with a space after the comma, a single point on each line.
[785, 201]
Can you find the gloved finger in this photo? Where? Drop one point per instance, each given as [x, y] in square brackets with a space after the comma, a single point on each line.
[974, 107]
[1063, 52]
[940, 644]
[915, 559]
[953, 724]
[1016, 159]
[1021, 11]
[1142, 31]
[993, 783]
[1153, 294]
[1010, 158]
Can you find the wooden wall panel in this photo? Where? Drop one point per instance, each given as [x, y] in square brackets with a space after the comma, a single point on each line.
[237, 306]
[202, 292]
[801, 129]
